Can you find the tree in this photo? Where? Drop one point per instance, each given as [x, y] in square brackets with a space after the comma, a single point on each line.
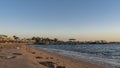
[33, 38]
[55, 39]
[15, 37]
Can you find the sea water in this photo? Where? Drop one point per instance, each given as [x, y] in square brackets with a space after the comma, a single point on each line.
[103, 54]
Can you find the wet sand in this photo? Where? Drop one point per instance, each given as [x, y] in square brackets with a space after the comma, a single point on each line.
[22, 56]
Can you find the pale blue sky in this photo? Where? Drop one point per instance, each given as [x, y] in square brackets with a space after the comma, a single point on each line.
[81, 19]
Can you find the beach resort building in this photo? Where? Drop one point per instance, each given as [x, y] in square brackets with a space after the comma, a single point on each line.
[3, 37]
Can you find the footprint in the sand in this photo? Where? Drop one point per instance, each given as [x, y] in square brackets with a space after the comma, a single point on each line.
[17, 53]
[38, 57]
[51, 64]
[49, 58]
[8, 57]
[33, 52]
[48, 64]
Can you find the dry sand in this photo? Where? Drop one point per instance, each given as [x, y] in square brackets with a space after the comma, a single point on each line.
[22, 56]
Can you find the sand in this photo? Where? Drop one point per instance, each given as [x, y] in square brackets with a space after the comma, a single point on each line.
[22, 56]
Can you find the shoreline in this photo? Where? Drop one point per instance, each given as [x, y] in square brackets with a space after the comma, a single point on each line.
[24, 56]
[83, 58]
[72, 58]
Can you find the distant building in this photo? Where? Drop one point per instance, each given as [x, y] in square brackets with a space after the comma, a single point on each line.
[3, 37]
[72, 40]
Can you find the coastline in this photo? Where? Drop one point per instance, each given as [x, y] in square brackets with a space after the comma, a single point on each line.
[23, 56]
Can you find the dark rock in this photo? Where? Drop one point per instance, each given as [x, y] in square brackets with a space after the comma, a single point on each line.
[60, 67]
[48, 64]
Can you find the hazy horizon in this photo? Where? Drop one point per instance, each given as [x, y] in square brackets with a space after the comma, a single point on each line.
[63, 19]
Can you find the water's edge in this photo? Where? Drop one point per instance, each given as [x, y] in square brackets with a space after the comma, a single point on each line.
[84, 57]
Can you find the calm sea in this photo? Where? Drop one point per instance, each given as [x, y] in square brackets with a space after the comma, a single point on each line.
[104, 54]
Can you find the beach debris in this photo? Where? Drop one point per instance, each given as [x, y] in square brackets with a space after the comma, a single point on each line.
[48, 64]
[17, 53]
[38, 57]
[10, 56]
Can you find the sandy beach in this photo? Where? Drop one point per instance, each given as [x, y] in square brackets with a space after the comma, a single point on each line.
[22, 56]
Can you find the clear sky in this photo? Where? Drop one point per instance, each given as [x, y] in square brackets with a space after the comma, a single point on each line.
[80, 19]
